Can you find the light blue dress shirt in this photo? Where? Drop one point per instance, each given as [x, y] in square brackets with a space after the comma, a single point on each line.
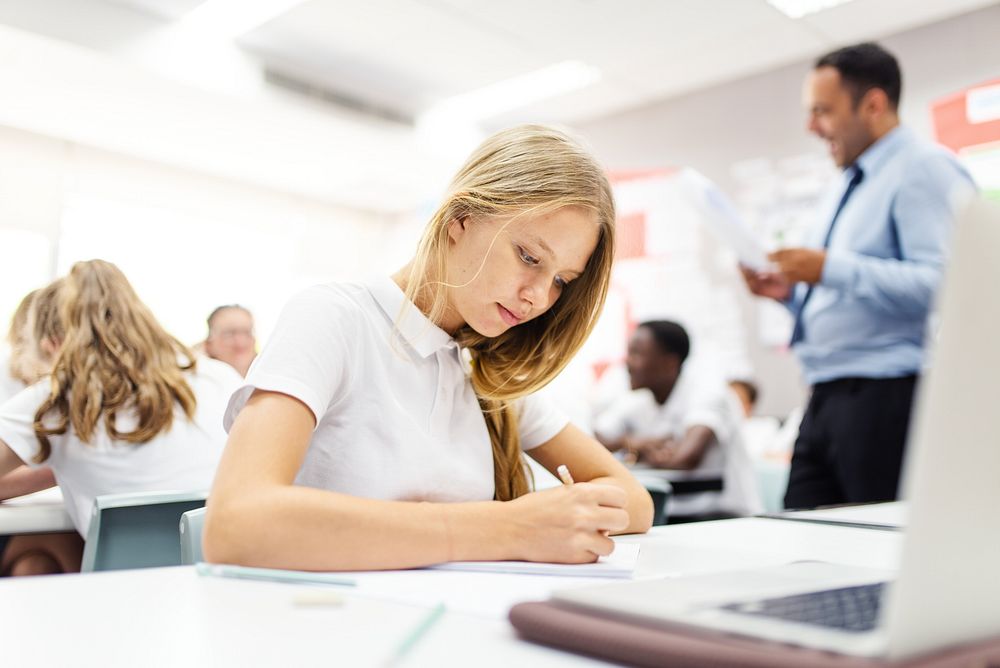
[867, 315]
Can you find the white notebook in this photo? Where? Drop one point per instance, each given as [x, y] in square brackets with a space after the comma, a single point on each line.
[619, 564]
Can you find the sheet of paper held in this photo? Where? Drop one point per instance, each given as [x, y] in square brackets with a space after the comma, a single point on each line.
[470, 588]
[723, 219]
[619, 564]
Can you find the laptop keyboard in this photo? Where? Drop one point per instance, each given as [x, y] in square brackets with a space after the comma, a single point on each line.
[849, 609]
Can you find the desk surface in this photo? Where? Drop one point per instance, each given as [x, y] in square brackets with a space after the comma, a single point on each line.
[890, 515]
[173, 617]
[41, 512]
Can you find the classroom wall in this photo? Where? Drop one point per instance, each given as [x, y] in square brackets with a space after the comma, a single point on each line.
[188, 241]
[762, 117]
[277, 241]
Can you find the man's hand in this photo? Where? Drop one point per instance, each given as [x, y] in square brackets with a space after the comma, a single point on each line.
[767, 283]
[800, 264]
[656, 452]
[635, 446]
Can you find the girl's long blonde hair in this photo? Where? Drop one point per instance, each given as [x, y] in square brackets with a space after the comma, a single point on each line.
[113, 356]
[526, 170]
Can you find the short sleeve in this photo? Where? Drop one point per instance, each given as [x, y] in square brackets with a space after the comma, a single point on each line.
[308, 356]
[616, 420]
[538, 421]
[17, 421]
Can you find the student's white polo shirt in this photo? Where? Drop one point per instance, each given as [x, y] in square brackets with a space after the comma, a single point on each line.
[396, 415]
[181, 458]
[9, 385]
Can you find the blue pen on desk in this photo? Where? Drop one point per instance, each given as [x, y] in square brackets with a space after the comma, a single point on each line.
[272, 574]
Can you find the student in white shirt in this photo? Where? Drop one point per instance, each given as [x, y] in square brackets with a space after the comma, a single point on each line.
[125, 410]
[682, 419]
[33, 329]
[383, 424]
[26, 362]
[18, 367]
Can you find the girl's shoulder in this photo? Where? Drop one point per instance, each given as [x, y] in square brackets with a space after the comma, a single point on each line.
[338, 305]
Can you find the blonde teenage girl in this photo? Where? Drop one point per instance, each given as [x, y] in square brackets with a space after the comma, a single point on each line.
[384, 422]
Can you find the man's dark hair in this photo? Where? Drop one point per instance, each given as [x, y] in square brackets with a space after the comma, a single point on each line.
[670, 337]
[863, 67]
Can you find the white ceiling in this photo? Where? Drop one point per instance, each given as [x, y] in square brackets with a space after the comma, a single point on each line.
[141, 82]
[402, 56]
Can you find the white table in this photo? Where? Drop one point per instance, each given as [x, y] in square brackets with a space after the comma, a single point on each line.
[41, 512]
[173, 617]
[889, 515]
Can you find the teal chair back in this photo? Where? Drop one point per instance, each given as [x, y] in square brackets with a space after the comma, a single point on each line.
[660, 490]
[190, 530]
[138, 530]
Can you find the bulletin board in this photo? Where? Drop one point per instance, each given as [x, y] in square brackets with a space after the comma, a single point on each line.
[669, 266]
[968, 122]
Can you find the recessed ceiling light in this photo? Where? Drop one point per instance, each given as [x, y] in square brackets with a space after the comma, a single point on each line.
[796, 9]
[232, 18]
[451, 128]
[519, 91]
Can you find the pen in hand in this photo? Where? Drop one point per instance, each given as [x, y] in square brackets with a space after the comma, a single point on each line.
[567, 479]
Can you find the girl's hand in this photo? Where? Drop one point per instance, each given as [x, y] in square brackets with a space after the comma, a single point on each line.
[567, 524]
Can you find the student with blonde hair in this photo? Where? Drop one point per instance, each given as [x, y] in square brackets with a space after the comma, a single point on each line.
[27, 362]
[33, 329]
[383, 424]
[11, 378]
[125, 409]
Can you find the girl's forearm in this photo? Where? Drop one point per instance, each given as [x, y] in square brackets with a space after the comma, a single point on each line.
[311, 529]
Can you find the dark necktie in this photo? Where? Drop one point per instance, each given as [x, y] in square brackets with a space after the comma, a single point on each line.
[798, 332]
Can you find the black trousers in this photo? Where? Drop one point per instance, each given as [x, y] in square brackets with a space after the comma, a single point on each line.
[851, 442]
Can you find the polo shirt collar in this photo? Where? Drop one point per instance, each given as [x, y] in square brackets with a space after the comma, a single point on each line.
[413, 326]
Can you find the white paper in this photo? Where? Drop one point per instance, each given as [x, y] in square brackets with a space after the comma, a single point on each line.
[619, 564]
[723, 220]
[488, 595]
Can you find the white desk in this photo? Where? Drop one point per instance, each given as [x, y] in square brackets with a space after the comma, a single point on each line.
[173, 617]
[889, 515]
[41, 512]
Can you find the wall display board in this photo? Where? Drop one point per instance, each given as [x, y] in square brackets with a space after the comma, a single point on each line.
[668, 266]
[968, 122]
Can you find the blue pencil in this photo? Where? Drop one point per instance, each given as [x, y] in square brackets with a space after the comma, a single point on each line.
[272, 574]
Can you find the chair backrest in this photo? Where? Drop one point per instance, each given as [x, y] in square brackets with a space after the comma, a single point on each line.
[138, 530]
[660, 490]
[190, 530]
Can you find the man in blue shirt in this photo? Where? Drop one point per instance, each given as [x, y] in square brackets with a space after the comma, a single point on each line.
[862, 288]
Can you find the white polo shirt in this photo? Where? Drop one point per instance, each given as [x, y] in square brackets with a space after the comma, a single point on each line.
[396, 415]
[182, 458]
[9, 385]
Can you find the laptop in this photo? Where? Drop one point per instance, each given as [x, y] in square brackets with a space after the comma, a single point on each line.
[946, 590]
